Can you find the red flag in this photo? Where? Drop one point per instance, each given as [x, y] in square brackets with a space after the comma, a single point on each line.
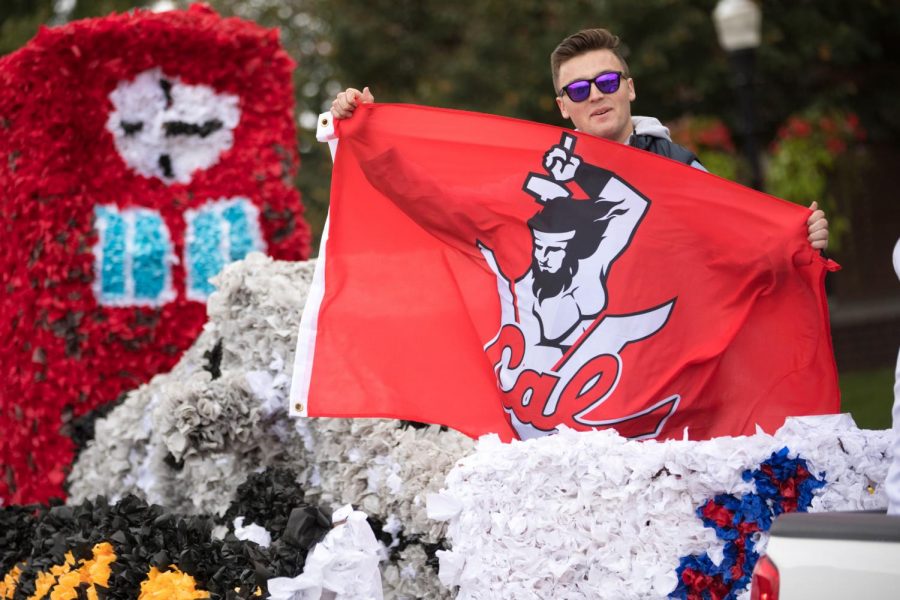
[496, 275]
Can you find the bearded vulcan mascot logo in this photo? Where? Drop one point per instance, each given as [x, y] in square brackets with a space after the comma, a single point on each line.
[557, 354]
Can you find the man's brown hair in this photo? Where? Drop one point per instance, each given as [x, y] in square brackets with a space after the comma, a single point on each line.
[582, 42]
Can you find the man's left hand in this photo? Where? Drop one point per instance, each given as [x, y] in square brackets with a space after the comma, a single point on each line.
[817, 228]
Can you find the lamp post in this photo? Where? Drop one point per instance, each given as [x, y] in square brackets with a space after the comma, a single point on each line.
[738, 26]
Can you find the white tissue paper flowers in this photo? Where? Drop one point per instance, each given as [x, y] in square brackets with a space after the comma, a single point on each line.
[593, 515]
[343, 566]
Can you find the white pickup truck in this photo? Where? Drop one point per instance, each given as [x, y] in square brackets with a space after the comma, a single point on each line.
[847, 555]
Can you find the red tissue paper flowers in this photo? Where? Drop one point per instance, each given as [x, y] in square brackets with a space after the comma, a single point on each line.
[139, 153]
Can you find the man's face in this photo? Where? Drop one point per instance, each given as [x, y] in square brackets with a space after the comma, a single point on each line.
[603, 115]
[550, 250]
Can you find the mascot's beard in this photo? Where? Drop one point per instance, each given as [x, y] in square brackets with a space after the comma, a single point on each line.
[547, 284]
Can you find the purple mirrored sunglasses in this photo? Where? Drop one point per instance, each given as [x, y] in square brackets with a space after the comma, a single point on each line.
[580, 90]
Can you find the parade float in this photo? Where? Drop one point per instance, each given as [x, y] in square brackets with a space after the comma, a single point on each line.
[147, 447]
[142, 152]
[204, 466]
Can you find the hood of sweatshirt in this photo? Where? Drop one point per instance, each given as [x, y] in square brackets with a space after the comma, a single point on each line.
[649, 126]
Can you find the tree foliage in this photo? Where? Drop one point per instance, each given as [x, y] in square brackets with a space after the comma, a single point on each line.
[20, 19]
[493, 56]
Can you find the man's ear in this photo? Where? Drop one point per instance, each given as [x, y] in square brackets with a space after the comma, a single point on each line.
[631, 93]
[562, 107]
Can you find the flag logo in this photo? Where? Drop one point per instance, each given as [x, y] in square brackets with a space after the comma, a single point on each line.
[556, 355]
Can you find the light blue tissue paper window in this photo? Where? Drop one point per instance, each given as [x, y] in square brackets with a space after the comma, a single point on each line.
[151, 246]
[112, 245]
[240, 242]
[204, 250]
[221, 232]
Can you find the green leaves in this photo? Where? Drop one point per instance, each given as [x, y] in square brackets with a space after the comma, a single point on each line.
[803, 162]
[493, 56]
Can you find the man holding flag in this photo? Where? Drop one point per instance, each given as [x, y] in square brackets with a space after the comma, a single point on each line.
[591, 64]
[634, 294]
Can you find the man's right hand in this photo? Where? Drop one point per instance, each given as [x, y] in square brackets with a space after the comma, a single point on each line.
[347, 101]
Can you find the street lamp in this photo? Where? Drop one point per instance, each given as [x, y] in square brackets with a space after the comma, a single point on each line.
[738, 25]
